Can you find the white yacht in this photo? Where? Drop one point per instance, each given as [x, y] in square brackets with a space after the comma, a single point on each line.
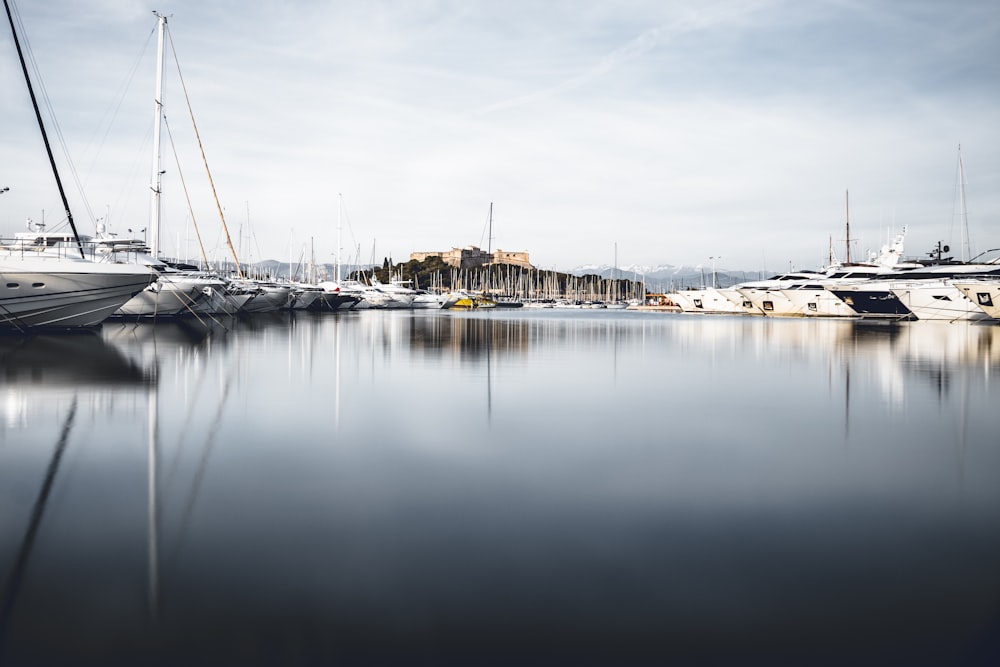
[706, 300]
[745, 305]
[937, 300]
[391, 295]
[47, 291]
[268, 297]
[766, 295]
[984, 292]
[224, 297]
[923, 285]
[342, 295]
[304, 296]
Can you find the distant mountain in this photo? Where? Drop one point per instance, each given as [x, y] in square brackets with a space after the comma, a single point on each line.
[608, 271]
[666, 276]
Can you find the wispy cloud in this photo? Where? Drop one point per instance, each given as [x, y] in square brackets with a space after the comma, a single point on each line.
[689, 21]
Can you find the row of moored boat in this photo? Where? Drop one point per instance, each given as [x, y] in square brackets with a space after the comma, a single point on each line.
[884, 287]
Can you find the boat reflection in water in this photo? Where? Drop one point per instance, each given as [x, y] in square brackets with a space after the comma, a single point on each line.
[37, 372]
[544, 487]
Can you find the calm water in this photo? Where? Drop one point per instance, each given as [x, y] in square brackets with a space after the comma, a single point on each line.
[515, 488]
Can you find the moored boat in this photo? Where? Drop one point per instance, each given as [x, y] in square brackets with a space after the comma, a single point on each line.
[43, 287]
[45, 292]
[984, 293]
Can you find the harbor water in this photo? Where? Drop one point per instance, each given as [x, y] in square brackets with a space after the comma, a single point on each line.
[507, 487]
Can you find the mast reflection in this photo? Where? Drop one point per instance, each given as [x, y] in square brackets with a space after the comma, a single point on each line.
[12, 587]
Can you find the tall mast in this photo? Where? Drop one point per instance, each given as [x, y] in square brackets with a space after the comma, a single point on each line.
[41, 127]
[340, 209]
[847, 207]
[208, 172]
[963, 219]
[489, 236]
[156, 179]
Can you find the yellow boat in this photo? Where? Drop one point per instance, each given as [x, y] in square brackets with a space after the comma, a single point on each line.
[470, 301]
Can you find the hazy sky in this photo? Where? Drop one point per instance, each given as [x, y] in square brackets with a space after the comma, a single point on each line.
[674, 130]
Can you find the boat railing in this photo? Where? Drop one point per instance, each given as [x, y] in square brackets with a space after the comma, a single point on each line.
[96, 251]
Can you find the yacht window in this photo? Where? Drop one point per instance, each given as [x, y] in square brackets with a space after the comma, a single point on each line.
[38, 284]
[984, 298]
[941, 297]
[12, 285]
[697, 303]
[768, 305]
[812, 307]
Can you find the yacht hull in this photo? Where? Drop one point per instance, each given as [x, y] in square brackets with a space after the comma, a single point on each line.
[871, 302]
[66, 297]
[938, 301]
[167, 297]
[985, 294]
[816, 302]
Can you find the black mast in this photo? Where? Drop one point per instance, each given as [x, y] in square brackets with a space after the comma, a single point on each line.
[41, 126]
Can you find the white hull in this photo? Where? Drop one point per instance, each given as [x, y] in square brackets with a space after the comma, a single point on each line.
[167, 297]
[744, 304]
[38, 293]
[768, 301]
[427, 301]
[399, 301]
[303, 297]
[392, 295]
[937, 301]
[268, 299]
[815, 301]
[983, 293]
[232, 303]
[218, 299]
[705, 300]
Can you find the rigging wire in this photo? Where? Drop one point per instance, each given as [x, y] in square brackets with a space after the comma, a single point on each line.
[110, 116]
[47, 103]
[222, 217]
[187, 197]
[959, 212]
[350, 229]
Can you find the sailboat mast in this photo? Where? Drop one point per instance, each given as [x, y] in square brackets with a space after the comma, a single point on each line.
[156, 180]
[340, 210]
[963, 218]
[41, 127]
[847, 207]
[489, 236]
[208, 172]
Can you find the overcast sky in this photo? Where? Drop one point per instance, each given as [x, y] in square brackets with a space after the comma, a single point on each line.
[675, 131]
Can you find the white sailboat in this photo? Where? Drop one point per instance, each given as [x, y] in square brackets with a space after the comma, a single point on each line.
[174, 292]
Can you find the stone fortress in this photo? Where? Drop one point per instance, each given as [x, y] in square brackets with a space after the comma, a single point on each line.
[472, 257]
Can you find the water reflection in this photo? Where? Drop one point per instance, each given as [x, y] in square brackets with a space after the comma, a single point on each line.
[75, 360]
[391, 488]
[14, 580]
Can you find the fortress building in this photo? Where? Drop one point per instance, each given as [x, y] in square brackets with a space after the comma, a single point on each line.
[471, 257]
